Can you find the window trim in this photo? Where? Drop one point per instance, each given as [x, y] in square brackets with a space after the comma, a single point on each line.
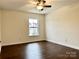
[38, 27]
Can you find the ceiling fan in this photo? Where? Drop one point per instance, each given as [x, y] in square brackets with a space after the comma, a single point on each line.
[41, 4]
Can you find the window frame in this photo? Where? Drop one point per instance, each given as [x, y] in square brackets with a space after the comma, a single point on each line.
[38, 33]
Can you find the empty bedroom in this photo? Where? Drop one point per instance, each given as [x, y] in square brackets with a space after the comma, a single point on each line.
[39, 29]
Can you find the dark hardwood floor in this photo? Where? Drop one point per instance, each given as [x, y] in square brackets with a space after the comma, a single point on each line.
[39, 50]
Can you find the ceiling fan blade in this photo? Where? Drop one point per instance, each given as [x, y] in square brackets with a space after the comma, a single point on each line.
[39, 0]
[43, 1]
[47, 6]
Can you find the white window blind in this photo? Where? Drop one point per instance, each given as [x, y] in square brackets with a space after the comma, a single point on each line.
[33, 27]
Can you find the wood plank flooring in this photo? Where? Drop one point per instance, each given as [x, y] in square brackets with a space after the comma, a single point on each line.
[39, 50]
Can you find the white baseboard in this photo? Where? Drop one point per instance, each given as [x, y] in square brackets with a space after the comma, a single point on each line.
[21, 42]
[67, 45]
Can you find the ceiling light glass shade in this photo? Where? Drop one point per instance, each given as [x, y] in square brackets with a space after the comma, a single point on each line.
[39, 7]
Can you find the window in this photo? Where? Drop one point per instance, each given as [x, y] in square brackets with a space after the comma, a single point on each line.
[33, 27]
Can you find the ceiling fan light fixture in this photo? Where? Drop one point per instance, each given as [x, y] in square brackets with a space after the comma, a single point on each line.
[39, 7]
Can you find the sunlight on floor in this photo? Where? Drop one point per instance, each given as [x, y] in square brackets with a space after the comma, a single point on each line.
[33, 51]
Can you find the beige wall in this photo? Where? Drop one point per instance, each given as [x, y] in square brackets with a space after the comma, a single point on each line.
[62, 26]
[0, 23]
[15, 27]
[0, 27]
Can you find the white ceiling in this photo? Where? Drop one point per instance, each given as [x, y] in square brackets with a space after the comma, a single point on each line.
[25, 5]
